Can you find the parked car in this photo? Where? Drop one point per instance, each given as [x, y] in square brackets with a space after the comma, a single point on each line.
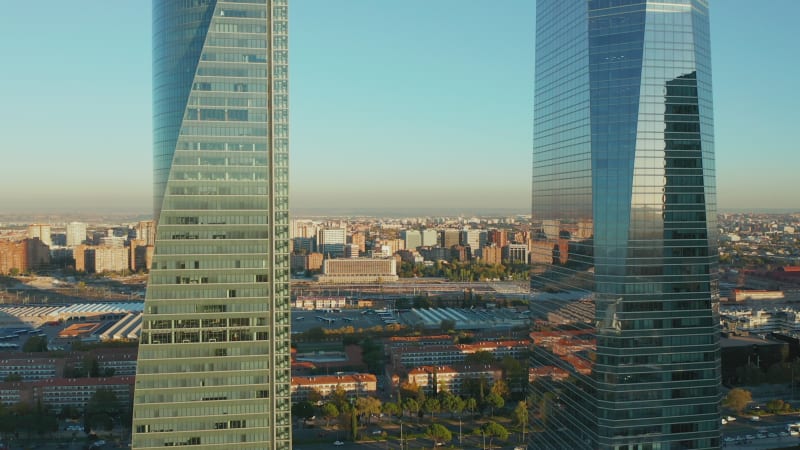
[337, 443]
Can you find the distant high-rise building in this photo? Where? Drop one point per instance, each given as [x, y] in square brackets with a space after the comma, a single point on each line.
[214, 358]
[330, 242]
[498, 237]
[41, 231]
[411, 239]
[351, 251]
[76, 233]
[430, 238]
[623, 143]
[474, 239]
[304, 228]
[146, 231]
[450, 237]
[358, 238]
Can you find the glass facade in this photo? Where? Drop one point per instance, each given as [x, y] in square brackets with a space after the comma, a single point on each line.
[214, 357]
[624, 236]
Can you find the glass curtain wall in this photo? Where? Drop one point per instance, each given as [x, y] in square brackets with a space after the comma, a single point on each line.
[214, 358]
[629, 355]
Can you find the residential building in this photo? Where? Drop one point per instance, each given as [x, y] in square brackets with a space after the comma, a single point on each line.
[498, 237]
[354, 384]
[475, 240]
[41, 231]
[359, 239]
[491, 254]
[451, 378]
[214, 356]
[331, 241]
[23, 255]
[623, 140]
[411, 239]
[430, 237]
[351, 251]
[146, 231]
[450, 237]
[76, 234]
[59, 393]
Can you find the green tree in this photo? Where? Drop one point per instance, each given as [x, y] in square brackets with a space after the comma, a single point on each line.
[492, 429]
[471, 404]
[102, 409]
[391, 409]
[438, 434]
[458, 405]
[431, 406]
[778, 406]
[412, 406]
[368, 406]
[314, 397]
[339, 398]
[494, 401]
[353, 424]
[447, 325]
[514, 374]
[316, 334]
[13, 377]
[500, 388]
[521, 416]
[329, 411]
[303, 410]
[35, 344]
[480, 357]
[737, 399]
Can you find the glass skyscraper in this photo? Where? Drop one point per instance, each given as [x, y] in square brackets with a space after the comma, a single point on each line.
[214, 357]
[626, 353]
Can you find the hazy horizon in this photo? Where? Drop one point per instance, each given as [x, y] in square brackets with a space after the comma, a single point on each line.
[442, 121]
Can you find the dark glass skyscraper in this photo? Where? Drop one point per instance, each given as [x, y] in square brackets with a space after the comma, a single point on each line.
[214, 358]
[624, 250]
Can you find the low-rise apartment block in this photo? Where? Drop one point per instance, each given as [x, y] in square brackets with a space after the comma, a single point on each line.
[451, 378]
[353, 384]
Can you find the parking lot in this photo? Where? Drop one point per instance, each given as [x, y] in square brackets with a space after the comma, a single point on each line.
[766, 433]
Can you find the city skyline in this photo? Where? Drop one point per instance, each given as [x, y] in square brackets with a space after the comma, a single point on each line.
[359, 86]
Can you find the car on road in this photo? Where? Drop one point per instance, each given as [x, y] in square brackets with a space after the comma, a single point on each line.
[755, 418]
[730, 418]
[337, 443]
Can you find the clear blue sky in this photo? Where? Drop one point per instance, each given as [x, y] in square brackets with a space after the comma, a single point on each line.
[420, 103]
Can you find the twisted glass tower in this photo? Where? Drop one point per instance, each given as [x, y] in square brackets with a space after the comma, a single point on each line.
[624, 224]
[213, 369]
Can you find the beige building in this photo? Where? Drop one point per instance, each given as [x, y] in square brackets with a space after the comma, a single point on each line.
[41, 231]
[451, 378]
[358, 238]
[358, 270]
[353, 384]
[102, 258]
[492, 254]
